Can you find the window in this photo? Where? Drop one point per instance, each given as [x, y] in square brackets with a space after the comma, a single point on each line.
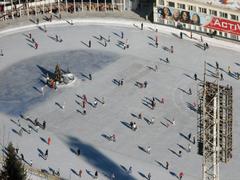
[191, 8]
[171, 4]
[212, 12]
[161, 2]
[234, 17]
[180, 6]
[202, 10]
[223, 14]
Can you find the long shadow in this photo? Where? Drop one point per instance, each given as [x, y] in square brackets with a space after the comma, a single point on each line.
[151, 44]
[126, 124]
[147, 105]
[98, 38]
[147, 120]
[175, 35]
[15, 131]
[85, 44]
[116, 34]
[182, 147]
[98, 100]
[151, 38]
[191, 107]
[168, 120]
[164, 60]
[199, 46]
[120, 45]
[151, 68]
[172, 151]
[143, 149]
[136, 26]
[160, 164]
[237, 64]
[99, 42]
[34, 87]
[45, 71]
[115, 81]
[85, 76]
[184, 136]
[41, 28]
[74, 172]
[143, 175]
[124, 168]
[173, 174]
[134, 115]
[106, 137]
[43, 140]
[14, 122]
[29, 40]
[31, 45]
[53, 38]
[165, 48]
[90, 174]
[100, 161]
[188, 76]
[183, 91]
[31, 20]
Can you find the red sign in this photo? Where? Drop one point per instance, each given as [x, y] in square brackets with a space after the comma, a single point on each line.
[224, 25]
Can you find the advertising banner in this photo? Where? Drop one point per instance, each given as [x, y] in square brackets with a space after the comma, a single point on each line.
[224, 25]
[199, 19]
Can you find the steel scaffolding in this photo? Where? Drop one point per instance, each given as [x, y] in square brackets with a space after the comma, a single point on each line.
[214, 124]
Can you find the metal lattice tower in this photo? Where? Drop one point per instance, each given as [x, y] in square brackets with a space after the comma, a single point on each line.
[214, 124]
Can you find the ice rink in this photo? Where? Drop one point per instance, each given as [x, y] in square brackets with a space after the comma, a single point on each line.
[21, 69]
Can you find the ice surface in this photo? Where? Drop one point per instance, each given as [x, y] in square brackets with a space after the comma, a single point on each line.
[69, 129]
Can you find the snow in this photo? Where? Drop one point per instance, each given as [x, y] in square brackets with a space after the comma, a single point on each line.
[22, 66]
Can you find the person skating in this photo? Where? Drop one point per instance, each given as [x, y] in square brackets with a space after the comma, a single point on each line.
[217, 66]
[171, 49]
[145, 84]
[180, 153]
[181, 35]
[95, 103]
[78, 152]
[167, 60]
[149, 176]
[113, 138]
[180, 175]
[141, 26]
[113, 176]
[140, 116]
[189, 148]
[221, 77]
[80, 173]
[190, 91]
[96, 175]
[89, 43]
[130, 170]
[90, 76]
[46, 154]
[122, 35]
[49, 141]
[167, 164]
[36, 45]
[195, 77]
[189, 136]
[149, 149]
[44, 124]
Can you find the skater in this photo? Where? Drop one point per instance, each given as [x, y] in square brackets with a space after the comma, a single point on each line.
[201, 39]
[113, 176]
[171, 49]
[49, 141]
[30, 163]
[103, 102]
[56, 38]
[152, 120]
[22, 157]
[141, 26]
[167, 61]
[80, 173]
[221, 76]
[190, 91]
[167, 164]
[195, 77]
[121, 82]
[206, 44]
[180, 175]
[191, 34]
[149, 150]
[134, 126]
[145, 84]
[78, 152]
[45, 28]
[89, 43]
[101, 38]
[149, 176]
[229, 70]
[46, 154]
[189, 136]
[96, 175]
[156, 41]
[1, 52]
[36, 45]
[95, 103]
[140, 116]
[194, 140]
[20, 132]
[84, 104]
[162, 100]
[113, 138]
[84, 111]
[44, 124]
[180, 153]
[37, 20]
[84, 98]
[105, 43]
[30, 35]
[153, 104]
[189, 148]
[217, 65]
[130, 170]
[181, 35]
[108, 38]
[173, 122]
[90, 76]
[29, 130]
[122, 35]
[156, 67]
[127, 44]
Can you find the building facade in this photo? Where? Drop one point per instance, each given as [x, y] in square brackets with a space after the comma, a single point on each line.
[199, 16]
